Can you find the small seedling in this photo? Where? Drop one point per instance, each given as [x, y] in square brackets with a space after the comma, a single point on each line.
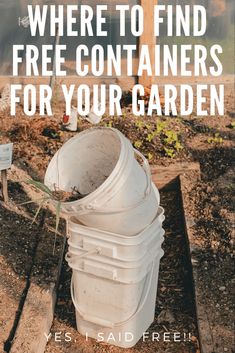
[169, 152]
[109, 124]
[48, 195]
[171, 142]
[138, 144]
[216, 139]
[139, 124]
[150, 156]
[171, 137]
[232, 125]
[150, 137]
[178, 146]
[161, 126]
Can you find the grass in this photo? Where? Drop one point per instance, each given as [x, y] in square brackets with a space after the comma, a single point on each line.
[48, 195]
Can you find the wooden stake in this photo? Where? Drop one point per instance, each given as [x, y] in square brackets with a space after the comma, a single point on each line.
[148, 37]
[4, 185]
[57, 41]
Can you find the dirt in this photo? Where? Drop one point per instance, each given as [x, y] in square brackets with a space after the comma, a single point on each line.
[208, 140]
[66, 196]
[20, 240]
[212, 244]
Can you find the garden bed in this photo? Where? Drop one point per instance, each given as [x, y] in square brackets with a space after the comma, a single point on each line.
[163, 141]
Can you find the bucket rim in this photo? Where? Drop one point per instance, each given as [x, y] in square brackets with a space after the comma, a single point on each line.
[150, 236]
[132, 239]
[130, 278]
[117, 261]
[125, 155]
[124, 265]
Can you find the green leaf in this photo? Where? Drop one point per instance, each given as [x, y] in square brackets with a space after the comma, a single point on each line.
[109, 124]
[34, 201]
[169, 152]
[139, 124]
[150, 156]
[58, 209]
[39, 209]
[40, 186]
[149, 138]
[178, 146]
[137, 144]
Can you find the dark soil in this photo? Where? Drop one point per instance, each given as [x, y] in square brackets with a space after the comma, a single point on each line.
[20, 239]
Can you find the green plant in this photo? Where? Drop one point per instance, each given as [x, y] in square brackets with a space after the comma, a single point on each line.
[48, 195]
[109, 124]
[139, 124]
[148, 127]
[171, 137]
[232, 125]
[160, 126]
[216, 139]
[138, 144]
[150, 156]
[169, 152]
[171, 142]
[150, 137]
[178, 146]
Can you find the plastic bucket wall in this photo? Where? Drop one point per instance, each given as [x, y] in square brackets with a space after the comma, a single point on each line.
[102, 251]
[100, 163]
[95, 252]
[109, 300]
[127, 248]
[136, 324]
[106, 300]
[113, 269]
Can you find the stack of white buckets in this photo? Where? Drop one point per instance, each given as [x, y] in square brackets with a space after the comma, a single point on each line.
[115, 234]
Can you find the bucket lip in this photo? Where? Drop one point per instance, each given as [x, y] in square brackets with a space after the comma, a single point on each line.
[99, 241]
[131, 239]
[124, 155]
[121, 260]
[141, 274]
[125, 264]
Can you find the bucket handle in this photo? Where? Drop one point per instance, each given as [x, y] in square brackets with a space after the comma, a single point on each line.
[87, 253]
[106, 323]
[146, 167]
[147, 170]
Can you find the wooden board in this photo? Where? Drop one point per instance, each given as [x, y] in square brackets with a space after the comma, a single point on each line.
[185, 175]
[148, 37]
[167, 176]
[206, 340]
[4, 185]
[38, 310]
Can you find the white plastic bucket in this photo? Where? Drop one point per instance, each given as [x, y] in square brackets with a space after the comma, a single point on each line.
[114, 331]
[101, 164]
[112, 269]
[117, 246]
[109, 300]
[100, 252]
